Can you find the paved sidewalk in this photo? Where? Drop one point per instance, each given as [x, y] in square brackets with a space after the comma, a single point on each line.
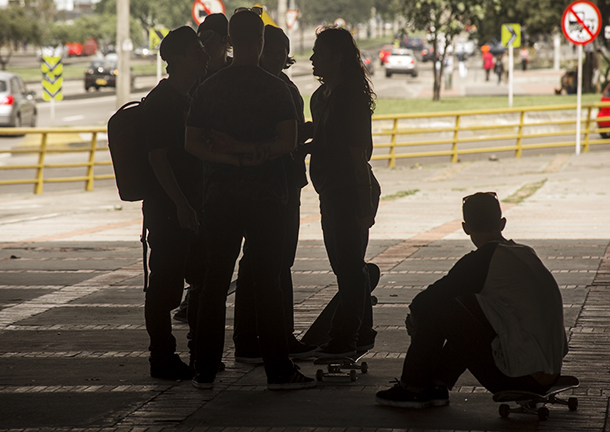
[74, 348]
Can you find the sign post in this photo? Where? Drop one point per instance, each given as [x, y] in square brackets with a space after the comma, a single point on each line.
[52, 82]
[580, 24]
[511, 38]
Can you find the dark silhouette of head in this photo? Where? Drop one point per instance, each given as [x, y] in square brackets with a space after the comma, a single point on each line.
[482, 213]
[246, 29]
[177, 44]
[341, 43]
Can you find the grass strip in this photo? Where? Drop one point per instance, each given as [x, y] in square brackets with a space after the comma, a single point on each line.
[524, 192]
[399, 194]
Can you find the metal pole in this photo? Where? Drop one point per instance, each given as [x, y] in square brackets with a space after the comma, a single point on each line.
[511, 64]
[158, 65]
[281, 15]
[579, 99]
[557, 51]
[124, 48]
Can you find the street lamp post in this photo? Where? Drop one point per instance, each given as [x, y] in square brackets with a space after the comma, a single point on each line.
[124, 47]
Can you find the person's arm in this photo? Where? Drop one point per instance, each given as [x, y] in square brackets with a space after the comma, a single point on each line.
[159, 162]
[197, 143]
[284, 142]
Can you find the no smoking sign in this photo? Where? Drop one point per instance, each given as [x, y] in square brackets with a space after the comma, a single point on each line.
[581, 22]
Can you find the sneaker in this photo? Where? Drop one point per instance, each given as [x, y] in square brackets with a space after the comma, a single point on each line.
[295, 381]
[202, 383]
[171, 368]
[331, 350]
[439, 395]
[398, 396]
[300, 350]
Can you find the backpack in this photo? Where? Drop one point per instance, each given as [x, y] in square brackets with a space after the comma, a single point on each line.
[128, 151]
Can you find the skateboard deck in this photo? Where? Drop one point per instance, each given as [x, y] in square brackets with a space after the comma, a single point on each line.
[317, 334]
[341, 368]
[534, 403]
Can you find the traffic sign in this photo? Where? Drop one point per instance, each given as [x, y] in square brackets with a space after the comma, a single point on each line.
[265, 16]
[291, 17]
[203, 8]
[581, 22]
[155, 36]
[511, 35]
[52, 80]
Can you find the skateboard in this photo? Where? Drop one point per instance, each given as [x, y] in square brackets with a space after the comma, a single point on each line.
[317, 334]
[533, 403]
[341, 368]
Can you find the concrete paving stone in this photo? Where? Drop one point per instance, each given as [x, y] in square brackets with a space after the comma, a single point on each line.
[44, 278]
[12, 296]
[65, 264]
[66, 409]
[113, 295]
[88, 315]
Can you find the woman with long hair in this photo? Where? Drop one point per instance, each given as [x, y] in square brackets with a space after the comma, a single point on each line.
[342, 144]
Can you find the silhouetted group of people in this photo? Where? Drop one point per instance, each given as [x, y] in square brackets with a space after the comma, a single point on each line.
[226, 138]
[226, 143]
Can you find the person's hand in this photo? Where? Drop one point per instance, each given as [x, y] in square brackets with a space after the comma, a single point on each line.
[222, 142]
[411, 325]
[367, 222]
[188, 219]
[261, 154]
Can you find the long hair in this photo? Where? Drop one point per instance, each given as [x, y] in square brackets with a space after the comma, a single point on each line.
[340, 41]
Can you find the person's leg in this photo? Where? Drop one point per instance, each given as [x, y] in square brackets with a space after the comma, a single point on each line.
[346, 242]
[245, 336]
[169, 246]
[265, 233]
[222, 235]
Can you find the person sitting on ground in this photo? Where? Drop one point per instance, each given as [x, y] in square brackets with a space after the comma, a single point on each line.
[498, 313]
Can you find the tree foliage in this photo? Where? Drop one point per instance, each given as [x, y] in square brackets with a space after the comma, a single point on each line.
[16, 25]
[443, 20]
[156, 13]
[315, 12]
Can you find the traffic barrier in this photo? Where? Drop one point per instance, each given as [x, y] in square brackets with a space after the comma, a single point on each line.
[450, 133]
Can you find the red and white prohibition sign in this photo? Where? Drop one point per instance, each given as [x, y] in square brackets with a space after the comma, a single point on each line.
[203, 8]
[581, 22]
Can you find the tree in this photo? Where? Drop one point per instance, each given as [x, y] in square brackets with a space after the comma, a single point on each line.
[16, 25]
[153, 13]
[443, 20]
[326, 12]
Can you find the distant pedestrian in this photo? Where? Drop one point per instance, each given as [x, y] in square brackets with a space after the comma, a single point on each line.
[448, 69]
[463, 71]
[341, 109]
[525, 58]
[488, 62]
[499, 68]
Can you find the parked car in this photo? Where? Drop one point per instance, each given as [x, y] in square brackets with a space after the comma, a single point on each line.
[604, 112]
[368, 62]
[17, 104]
[384, 53]
[401, 60]
[415, 43]
[102, 73]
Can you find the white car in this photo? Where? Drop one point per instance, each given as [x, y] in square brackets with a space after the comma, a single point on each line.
[401, 60]
[17, 104]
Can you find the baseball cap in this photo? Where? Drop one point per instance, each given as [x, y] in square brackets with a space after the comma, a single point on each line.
[177, 42]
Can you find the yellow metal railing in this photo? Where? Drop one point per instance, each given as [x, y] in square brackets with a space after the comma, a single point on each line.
[450, 134]
[470, 132]
[44, 150]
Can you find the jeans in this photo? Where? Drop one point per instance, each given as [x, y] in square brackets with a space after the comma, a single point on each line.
[244, 334]
[173, 258]
[451, 339]
[346, 240]
[225, 223]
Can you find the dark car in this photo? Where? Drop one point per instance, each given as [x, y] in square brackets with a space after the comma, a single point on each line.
[368, 62]
[102, 73]
[415, 43]
[17, 104]
[427, 53]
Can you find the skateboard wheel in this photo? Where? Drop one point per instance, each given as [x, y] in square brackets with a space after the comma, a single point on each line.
[364, 367]
[320, 375]
[374, 300]
[543, 413]
[352, 375]
[504, 410]
[572, 404]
